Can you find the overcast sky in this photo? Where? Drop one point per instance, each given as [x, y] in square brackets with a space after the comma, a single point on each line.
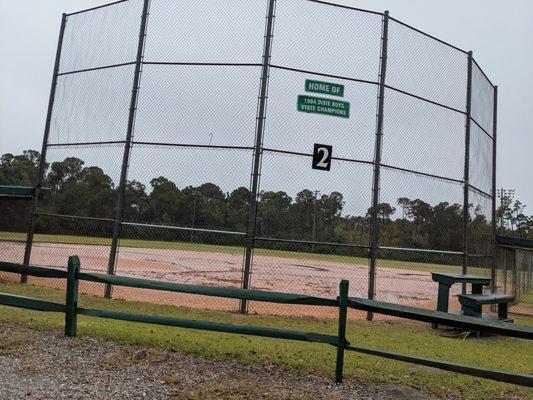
[499, 33]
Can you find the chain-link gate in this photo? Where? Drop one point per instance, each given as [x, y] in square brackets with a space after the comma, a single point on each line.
[514, 275]
[270, 144]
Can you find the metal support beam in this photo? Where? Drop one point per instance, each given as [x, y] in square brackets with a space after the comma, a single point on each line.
[258, 152]
[127, 147]
[494, 148]
[42, 160]
[377, 163]
[466, 201]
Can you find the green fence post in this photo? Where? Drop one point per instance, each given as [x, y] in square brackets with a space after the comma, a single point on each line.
[343, 308]
[71, 302]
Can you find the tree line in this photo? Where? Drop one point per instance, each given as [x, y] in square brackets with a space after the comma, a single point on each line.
[81, 190]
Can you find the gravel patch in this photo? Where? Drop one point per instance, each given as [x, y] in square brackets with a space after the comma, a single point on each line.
[47, 365]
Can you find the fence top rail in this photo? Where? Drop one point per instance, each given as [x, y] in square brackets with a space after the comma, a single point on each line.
[235, 293]
[16, 190]
[428, 35]
[183, 228]
[96, 8]
[483, 72]
[514, 242]
[32, 271]
[432, 316]
[269, 239]
[326, 3]
[346, 7]
[449, 252]
[44, 214]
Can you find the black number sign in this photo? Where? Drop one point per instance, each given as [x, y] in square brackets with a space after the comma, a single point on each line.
[322, 157]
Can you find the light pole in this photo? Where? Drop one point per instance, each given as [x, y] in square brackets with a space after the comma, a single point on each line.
[506, 195]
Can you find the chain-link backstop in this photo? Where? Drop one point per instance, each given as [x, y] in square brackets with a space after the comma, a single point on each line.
[180, 139]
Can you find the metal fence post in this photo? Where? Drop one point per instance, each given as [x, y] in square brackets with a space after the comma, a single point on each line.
[514, 273]
[127, 147]
[258, 152]
[505, 270]
[343, 310]
[71, 302]
[529, 273]
[466, 204]
[42, 160]
[377, 164]
[494, 152]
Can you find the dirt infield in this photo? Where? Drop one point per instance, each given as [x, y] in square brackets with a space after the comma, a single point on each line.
[296, 275]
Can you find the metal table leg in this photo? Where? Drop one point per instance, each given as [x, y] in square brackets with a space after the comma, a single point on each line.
[477, 288]
[442, 300]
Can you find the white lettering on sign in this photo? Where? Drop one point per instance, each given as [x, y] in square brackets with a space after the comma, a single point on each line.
[333, 89]
[321, 105]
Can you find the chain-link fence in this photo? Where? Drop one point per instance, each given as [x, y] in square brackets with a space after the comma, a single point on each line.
[14, 212]
[268, 144]
[515, 276]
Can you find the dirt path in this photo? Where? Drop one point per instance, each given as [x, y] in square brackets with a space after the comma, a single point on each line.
[46, 365]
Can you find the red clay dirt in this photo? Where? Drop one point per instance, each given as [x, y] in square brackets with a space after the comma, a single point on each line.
[283, 274]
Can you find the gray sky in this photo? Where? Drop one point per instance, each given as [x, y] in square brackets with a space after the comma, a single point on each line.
[499, 33]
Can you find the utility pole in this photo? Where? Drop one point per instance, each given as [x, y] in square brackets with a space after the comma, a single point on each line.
[195, 196]
[317, 192]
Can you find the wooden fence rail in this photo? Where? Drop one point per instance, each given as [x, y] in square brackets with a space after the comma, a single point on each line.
[343, 302]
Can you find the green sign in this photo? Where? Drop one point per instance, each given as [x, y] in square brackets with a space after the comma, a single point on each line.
[332, 89]
[321, 105]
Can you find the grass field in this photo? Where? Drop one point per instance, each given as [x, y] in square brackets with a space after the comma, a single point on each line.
[527, 298]
[399, 336]
[149, 244]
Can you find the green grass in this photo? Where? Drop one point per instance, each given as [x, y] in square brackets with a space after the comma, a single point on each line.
[152, 244]
[399, 336]
[526, 298]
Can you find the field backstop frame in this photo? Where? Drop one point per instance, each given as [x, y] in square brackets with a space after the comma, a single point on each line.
[471, 255]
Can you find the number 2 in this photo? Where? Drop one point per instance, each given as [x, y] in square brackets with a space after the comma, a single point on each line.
[325, 155]
[322, 157]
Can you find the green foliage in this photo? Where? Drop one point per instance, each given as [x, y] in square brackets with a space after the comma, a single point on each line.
[19, 170]
[511, 218]
[81, 190]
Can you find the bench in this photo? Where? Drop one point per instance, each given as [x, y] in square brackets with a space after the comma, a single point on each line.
[472, 303]
[446, 281]
[464, 322]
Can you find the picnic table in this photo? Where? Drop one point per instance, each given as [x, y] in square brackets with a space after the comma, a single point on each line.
[446, 281]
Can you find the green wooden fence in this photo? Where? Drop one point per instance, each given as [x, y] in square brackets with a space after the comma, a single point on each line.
[73, 275]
